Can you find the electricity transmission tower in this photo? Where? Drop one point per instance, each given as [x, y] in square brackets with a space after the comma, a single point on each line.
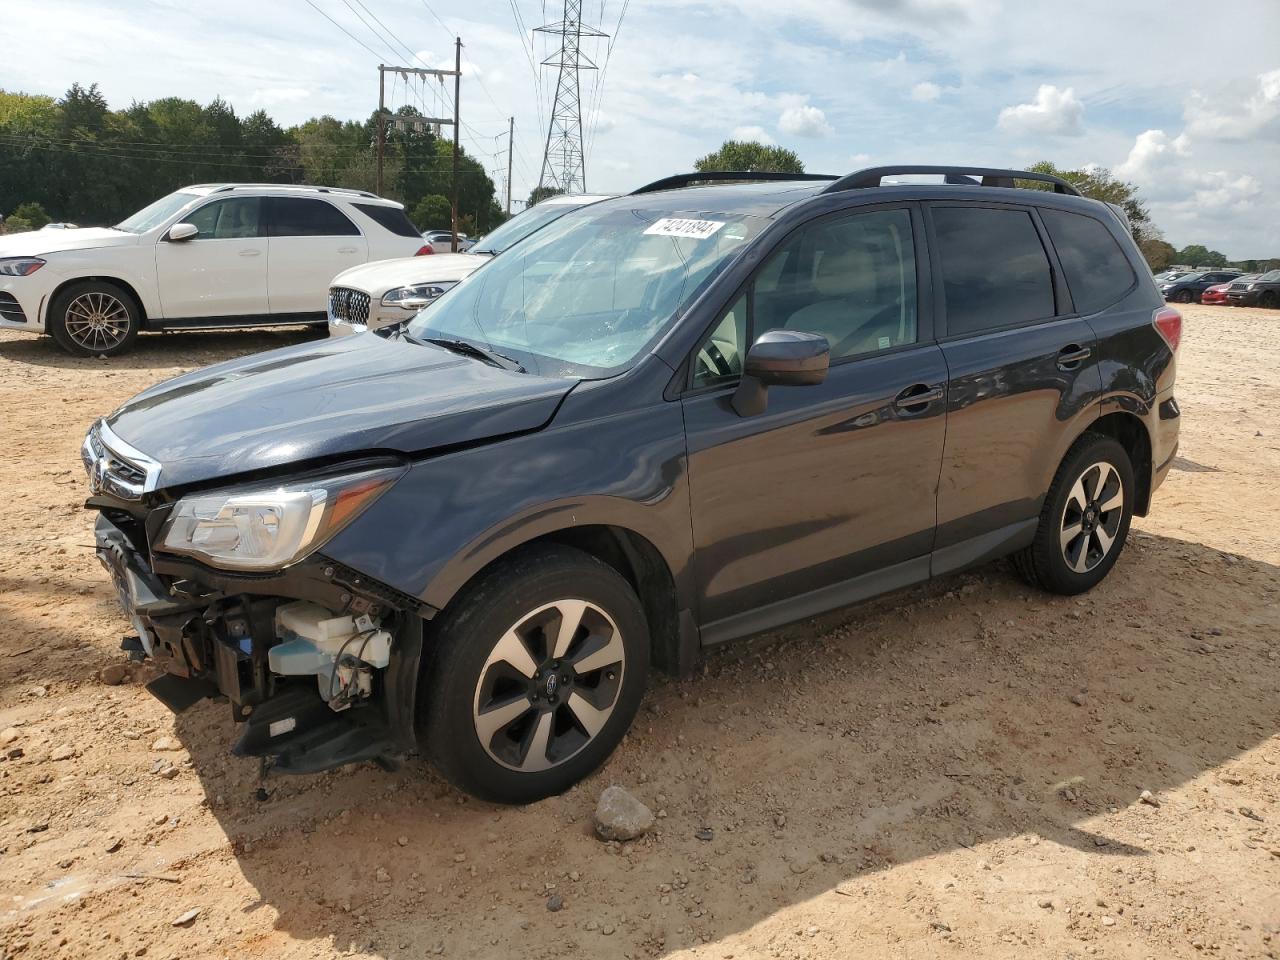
[562, 161]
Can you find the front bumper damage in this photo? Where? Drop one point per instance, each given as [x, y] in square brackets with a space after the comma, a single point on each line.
[212, 634]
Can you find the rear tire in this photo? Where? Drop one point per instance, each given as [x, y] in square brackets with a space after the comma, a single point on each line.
[94, 318]
[1267, 300]
[537, 672]
[1184, 296]
[1085, 519]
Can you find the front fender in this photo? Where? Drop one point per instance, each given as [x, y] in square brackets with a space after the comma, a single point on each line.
[453, 514]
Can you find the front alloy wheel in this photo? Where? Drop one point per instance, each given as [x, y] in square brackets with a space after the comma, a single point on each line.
[536, 670]
[549, 685]
[94, 318]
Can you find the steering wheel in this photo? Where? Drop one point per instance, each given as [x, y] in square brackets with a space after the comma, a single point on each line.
[711, 358]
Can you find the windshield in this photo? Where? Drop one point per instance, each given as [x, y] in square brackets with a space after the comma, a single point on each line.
[521, 225]
[154, 214]
[582, 297]
[1270, 276]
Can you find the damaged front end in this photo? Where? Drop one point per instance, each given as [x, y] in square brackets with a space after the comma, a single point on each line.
[230, 596]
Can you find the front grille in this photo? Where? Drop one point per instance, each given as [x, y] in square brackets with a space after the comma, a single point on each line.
[114, 467]
[10, 310]
[1237, 287]
[348, 306]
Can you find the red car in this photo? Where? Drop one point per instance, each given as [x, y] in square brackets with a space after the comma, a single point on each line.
[1218, 292]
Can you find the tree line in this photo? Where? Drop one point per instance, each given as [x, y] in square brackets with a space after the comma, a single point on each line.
[75, 159]
[1096, 182]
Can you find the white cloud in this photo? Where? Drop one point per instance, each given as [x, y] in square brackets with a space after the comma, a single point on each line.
[805, 121]
[1154, 153]
[925, 92]
[1055, 112]
[1259, 115]
[753, 135]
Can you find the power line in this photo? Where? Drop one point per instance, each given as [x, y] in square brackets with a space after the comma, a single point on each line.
[343, 29]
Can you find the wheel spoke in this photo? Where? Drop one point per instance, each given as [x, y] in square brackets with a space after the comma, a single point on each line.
[1104, 474]
[1077, 496]
[589, 717]
[535, 757]
[1069, 533]
[571, 612]
[489, 722]
[609, 653]
[511, 649]
[1105, 539]
[1078, 556]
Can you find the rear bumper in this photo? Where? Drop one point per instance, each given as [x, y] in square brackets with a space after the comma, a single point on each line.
[1165, 427]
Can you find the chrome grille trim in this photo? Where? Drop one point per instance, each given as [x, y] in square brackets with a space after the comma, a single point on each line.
[116, 468]
[348, 306]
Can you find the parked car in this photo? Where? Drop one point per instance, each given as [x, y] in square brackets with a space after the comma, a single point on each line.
[1189, 287]
[212, 256]
[1262, 291]
[670, 420]
[1217, 294]
[1169, 276]
[441, 241]
[376, 296]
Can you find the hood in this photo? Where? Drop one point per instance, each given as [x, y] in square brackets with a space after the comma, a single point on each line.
[328, 398]
[381, 275]
[35, 243]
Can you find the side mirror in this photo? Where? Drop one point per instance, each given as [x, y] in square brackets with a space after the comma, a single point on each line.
[780, 358]
[183, 231]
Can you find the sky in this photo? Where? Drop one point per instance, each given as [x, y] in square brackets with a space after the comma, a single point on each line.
[1180, 98]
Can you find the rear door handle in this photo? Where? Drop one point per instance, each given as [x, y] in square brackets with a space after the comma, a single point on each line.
[250, 253]
[1071, 356]
[346, 249]
[916, 397]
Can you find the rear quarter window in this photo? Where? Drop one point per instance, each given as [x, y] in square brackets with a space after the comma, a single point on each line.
[390, 218]
[1097, 271]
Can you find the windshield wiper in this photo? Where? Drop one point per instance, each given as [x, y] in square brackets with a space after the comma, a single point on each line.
[469, 349]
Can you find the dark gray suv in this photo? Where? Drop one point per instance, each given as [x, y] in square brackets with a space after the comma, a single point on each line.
[674, 419]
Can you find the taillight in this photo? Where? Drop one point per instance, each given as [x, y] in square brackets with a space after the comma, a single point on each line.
[424, 250]
[1169, 324]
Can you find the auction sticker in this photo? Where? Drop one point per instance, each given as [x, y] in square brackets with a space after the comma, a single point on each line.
[694, 229]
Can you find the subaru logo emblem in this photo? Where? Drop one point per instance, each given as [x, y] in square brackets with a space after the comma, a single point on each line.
[552, 683]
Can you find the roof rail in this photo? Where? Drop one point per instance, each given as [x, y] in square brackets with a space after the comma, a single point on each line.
[990, 177]
[223, 188]
[722, 176]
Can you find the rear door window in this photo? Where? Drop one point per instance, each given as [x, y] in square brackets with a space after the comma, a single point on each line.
[305, 217]
[1098, 272]
[995, 270]
[392, 218]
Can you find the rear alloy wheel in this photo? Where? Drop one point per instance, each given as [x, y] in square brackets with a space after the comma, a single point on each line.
[94, 319]
[537, 672]
[1085, 518]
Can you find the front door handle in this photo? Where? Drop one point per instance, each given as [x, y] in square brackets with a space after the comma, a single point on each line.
[346, 249]
[1072, 355]
[916, 397]
[250, 253]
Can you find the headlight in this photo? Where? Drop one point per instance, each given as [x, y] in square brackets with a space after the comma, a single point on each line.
[416, 291]
[20, 266]
[1252, 286]
[265, 528]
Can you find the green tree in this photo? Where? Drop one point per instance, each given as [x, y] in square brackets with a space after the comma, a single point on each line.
[751, 157]
[433, 213]
[538, 194]
[1159, 254]
[29, 213]
[1198, 255]
[1100, 184]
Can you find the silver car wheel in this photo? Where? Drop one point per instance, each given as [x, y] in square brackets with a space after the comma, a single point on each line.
[97, 321]
[549, 685]
[1091, 517]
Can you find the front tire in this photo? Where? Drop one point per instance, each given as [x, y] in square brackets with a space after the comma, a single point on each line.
[1085, 519]
[1185, 296]
[94, 318]
[538, 670]
[1267, 300]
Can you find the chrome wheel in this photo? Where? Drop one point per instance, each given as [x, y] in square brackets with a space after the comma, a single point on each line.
[1091, 517]
[97, 321]
[549, 685]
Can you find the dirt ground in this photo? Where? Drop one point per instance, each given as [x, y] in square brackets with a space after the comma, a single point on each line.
[952, 771]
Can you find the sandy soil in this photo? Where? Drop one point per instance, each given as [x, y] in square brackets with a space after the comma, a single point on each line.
[949, 772]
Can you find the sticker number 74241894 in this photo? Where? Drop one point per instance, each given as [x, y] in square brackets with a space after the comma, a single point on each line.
[673, 227]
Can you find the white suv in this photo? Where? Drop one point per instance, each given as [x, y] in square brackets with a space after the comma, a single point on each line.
[206, 257]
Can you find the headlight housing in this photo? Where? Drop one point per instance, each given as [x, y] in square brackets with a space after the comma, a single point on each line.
[19, 266]
[269, 527]
[414, 291]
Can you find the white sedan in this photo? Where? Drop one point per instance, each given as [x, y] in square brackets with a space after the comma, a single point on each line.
[211, 256]
[379, 295]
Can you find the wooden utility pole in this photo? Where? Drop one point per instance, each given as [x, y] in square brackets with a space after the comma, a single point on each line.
[407, 72]
[511, 146]
[457, 129]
